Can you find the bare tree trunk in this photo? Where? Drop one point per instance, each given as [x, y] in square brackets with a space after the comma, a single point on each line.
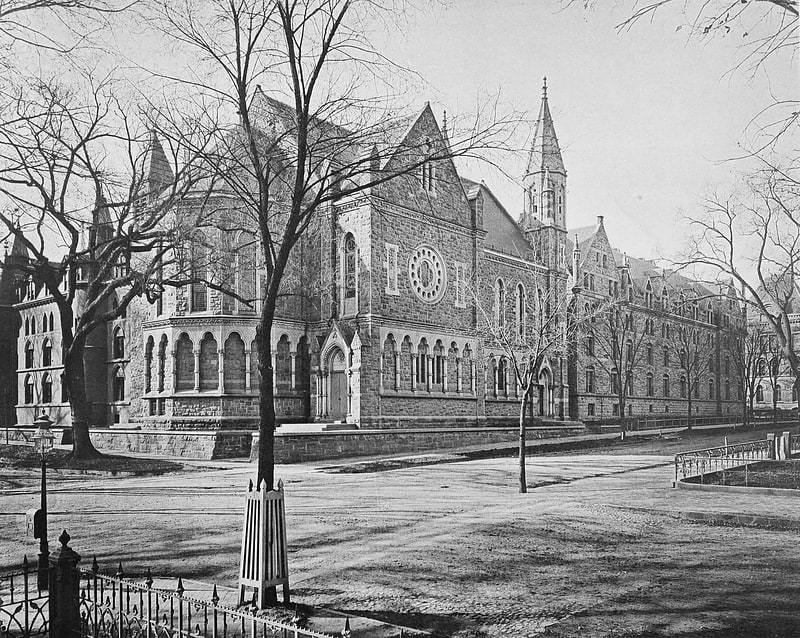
[75, 378]
[745, 414]
[266, 427]
[689, 403]
[774, 407]
[523, 480]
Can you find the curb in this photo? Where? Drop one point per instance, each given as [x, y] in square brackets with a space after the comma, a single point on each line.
[739, 489]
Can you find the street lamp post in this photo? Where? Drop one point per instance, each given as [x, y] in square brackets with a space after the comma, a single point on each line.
[43, 442]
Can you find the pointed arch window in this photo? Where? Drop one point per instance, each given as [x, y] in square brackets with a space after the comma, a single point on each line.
[500, 304]
[118, 386]
[350, 275]
[29, 389]
[502, 375]
[520, 312]
[246, 271]
[47, 389]
[665, 382]
[760, 394]
[47, 353]
[28, 355]
[199, 273]
[118, 349]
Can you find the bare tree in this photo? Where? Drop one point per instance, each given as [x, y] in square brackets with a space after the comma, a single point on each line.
[747, 351]
[615, 339]
[753, 237]
[540, 334]
[97, 235]
[693, 348]
[336, 135]
[27, 21]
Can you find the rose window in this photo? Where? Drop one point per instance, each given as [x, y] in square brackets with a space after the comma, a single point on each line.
[427, 274]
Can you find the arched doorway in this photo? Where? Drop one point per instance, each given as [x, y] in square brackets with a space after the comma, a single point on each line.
[545, 394]
[337, 385]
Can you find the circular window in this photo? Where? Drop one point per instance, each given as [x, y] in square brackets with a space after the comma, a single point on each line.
[427, 274]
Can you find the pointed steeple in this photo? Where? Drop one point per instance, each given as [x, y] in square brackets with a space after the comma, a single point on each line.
[545, 153]
[157, 172]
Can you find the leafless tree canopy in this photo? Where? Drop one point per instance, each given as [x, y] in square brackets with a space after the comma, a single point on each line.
[94, 216]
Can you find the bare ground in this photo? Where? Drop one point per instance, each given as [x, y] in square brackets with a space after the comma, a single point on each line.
[594, 550]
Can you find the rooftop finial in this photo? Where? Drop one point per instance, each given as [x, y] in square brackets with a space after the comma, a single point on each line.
[444, 125]
[544, 87]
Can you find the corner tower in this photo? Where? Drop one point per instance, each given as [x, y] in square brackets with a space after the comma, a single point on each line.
[544, 215]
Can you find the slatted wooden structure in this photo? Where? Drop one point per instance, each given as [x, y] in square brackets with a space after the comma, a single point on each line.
[264, 561]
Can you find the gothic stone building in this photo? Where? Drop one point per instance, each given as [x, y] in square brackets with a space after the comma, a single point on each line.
[680, 337]
[387, 324]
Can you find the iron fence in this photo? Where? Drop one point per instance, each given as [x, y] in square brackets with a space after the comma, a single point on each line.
[116, 607]
[715, 459]
[24, 610]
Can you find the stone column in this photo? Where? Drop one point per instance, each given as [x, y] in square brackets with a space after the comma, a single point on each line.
[292, 359]
[174, 374]
[444, 374]
[495, 371]
[324, 393]
[318, 394]
[396, 371]
[380, 372]
[64, 588]
[458, 375]
[196, 354]
[221, 369]
[274, 371]
[472, 374]
[414, 364]
[248, 381]
[429, 376]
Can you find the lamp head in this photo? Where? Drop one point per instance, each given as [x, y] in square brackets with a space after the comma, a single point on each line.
[43, 438]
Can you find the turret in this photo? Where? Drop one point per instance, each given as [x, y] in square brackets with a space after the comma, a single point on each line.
[545, 177]
[544, 214]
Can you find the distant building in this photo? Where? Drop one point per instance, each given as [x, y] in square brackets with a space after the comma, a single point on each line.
[664, 302]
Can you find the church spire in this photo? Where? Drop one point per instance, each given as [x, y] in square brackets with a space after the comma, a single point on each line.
[545, 152]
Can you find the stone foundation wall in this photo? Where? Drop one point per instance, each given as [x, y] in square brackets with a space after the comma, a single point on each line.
[319, 446]
[190, 445]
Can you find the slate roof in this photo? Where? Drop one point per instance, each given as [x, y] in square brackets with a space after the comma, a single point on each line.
[545, 153]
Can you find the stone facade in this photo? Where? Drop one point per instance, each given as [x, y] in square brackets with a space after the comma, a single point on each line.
[392, 291]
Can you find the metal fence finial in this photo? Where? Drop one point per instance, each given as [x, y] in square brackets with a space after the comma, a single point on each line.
[95, 566]
[25, 562]
[214, 596]
[250, 486]
[280, 485]
[262, 486]
[120, 573]
[346, 633]
[180, 589]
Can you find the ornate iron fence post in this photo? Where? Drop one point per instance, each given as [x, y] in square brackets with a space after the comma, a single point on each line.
[64, 587]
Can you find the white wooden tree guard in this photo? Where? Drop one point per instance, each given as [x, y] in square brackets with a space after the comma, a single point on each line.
[264, 561]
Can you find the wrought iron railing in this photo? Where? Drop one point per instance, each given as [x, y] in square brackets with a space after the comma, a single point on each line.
[23, 608]
[715, 459]
[116, 607]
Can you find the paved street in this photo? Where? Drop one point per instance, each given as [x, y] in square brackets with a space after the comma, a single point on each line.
[453, 547]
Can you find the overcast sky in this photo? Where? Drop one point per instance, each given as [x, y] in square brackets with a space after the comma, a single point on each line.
[645, 118]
